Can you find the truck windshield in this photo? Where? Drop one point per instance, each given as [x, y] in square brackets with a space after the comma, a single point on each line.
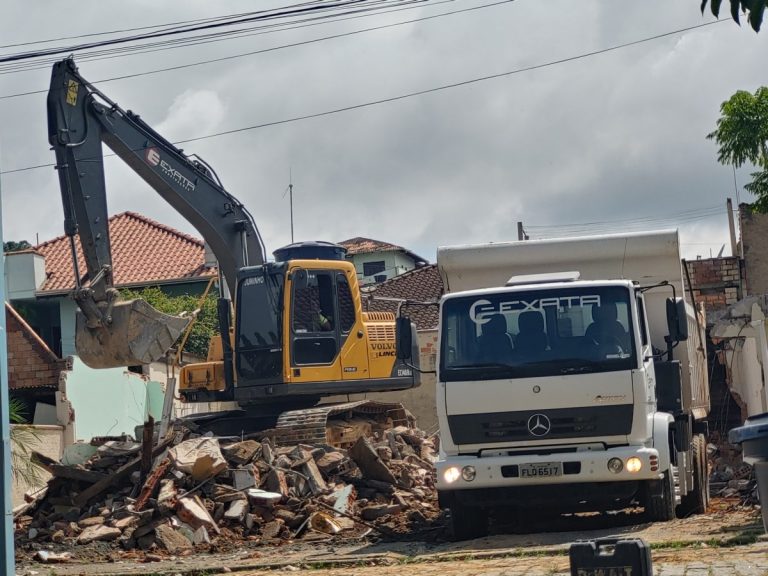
[545, 332]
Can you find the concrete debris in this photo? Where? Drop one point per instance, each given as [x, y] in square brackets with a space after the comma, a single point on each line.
[203, 491]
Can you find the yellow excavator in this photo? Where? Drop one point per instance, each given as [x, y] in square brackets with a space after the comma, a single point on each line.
[297, 329]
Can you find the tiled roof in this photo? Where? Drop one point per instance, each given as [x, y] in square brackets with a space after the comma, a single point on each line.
[360, 245]
[423, 284]
[143, 251]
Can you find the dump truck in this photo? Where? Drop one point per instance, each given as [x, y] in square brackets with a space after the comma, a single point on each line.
[292, 331]
[572, 376]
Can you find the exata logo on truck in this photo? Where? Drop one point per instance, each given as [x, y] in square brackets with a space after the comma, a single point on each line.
[481, 310]
[153, 158]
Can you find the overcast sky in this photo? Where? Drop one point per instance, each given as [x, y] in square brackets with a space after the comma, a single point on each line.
[605, 139]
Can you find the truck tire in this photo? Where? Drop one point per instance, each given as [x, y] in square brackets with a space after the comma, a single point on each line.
[660, 498]
[467, 522]
[697, 500]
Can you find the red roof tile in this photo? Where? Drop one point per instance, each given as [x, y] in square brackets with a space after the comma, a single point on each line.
[360, 245]
[422, 284]
[143, 251]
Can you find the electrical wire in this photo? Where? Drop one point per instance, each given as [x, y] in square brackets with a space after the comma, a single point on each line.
[146, 48]
[261, 15]
[422, 92]
[281, 47]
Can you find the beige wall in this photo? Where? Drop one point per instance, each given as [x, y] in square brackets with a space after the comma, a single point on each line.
[48, 440]
[419, 401]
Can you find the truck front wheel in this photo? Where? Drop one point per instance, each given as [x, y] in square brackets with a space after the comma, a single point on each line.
[467, 522]
[659, 499]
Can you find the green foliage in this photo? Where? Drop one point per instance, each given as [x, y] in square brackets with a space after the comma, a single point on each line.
[742, 137]
[205, 326]
[23, 438]
[12, 246]
[755, 10]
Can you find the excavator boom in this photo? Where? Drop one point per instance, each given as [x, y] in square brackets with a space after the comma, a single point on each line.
[112, 333]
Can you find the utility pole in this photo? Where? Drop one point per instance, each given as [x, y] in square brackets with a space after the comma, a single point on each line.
[731, 227]
[6, 526]
[521, 235]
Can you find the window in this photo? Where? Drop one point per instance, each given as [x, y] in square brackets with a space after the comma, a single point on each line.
[313, 306]
[314, 320]
[546, 332]
[346, 304]
[379, 278]
[373, 268]
[259, 323]
[641, 320]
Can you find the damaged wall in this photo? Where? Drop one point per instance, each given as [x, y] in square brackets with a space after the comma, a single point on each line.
[754, 239]
[107, 402]
[717, 283]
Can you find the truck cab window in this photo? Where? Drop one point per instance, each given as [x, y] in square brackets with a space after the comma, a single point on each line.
[641, 320]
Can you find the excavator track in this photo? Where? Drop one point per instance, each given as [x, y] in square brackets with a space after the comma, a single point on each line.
[339, 425]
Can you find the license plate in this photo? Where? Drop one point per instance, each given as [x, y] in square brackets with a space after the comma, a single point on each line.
[541, 470]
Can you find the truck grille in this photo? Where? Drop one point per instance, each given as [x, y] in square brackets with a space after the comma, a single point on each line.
[535, 425]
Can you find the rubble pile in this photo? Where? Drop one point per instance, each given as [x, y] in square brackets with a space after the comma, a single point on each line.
[729, 476]
[195, 491]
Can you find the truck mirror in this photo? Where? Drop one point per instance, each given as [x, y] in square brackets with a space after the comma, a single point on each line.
[300, 279]
[677, 320]
[403, 338]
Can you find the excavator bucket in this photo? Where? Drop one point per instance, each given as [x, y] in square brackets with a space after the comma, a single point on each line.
[138, 334]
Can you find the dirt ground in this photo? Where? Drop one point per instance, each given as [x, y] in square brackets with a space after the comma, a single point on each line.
[726, 532]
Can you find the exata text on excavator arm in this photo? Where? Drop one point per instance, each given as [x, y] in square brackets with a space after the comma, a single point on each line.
[112, 333]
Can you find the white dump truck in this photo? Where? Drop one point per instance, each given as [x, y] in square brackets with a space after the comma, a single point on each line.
[572, 376]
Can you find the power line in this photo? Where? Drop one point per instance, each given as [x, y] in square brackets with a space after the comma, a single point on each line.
[121, 30]
[172, 44]
[422, 92]
[281, 47]
[255, 16]
[690, 212]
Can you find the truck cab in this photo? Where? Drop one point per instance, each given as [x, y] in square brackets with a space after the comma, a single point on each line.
[563, 393]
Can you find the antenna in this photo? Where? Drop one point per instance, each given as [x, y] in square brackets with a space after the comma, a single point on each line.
[289, 191]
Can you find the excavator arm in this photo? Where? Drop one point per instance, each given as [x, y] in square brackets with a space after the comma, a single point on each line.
[80, 118]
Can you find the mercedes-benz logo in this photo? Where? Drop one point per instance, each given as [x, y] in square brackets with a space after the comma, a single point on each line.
[539, 425]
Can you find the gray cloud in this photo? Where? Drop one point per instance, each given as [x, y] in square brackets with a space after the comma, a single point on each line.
[612, 137]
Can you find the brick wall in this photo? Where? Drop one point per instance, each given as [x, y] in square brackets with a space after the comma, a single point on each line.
[717, 283]
[754, 239]
[31, 363]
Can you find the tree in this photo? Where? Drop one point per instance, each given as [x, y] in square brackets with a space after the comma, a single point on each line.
[742, 136]
[205, 326]
[12, 246]
[753, 8]
[23, 439]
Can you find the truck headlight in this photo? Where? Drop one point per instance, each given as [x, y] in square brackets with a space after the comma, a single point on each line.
[615, 465]
[634, 464]
[451, 474]
[468, 473]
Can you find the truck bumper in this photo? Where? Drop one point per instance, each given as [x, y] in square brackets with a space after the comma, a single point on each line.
[577, 468]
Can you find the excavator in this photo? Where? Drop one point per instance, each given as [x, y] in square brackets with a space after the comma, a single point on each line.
[293, 331]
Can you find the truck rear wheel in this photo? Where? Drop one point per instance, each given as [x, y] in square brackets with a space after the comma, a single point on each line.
[697, 500]
[467, 522]
[660, 498]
